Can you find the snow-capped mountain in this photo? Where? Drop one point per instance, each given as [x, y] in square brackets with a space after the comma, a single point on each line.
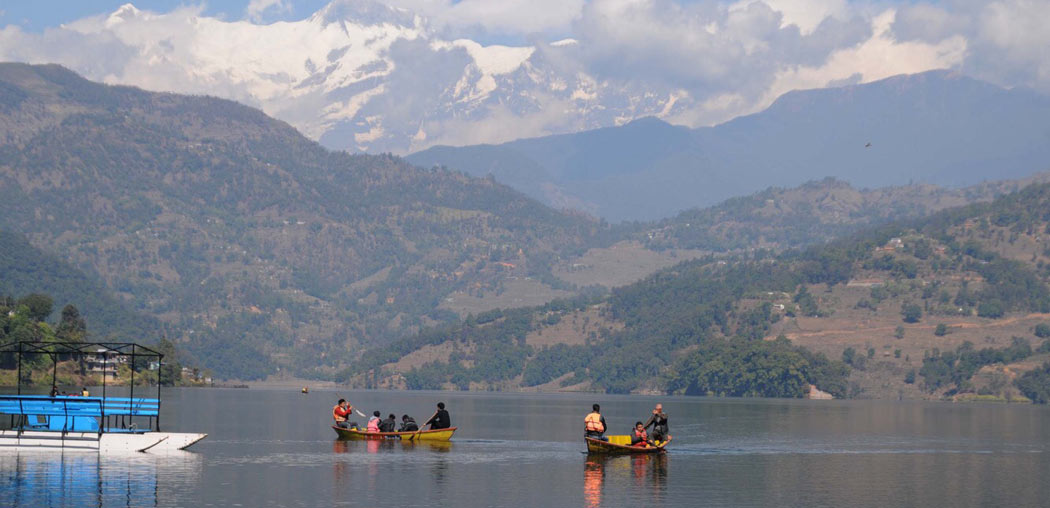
[364, 76]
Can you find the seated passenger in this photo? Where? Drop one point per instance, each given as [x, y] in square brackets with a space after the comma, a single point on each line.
[388, 424]
[594, 424]
[639, 437]
[408, 424]
[373, 422]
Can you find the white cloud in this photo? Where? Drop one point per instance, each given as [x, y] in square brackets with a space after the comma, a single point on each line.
[258, 8]
[405, 74]
[505, 17]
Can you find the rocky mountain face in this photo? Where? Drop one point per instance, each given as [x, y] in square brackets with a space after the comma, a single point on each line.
[934, 128]
[362, 76]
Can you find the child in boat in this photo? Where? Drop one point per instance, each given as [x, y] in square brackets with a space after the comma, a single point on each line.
[639, 437]
[373, 422]
[408, 424]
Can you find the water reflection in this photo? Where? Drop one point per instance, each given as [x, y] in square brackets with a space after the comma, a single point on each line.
[90, 479]
[593, 479]
[645, 474]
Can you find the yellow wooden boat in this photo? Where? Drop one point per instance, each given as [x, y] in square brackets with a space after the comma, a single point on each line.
[419, 435]
[622, 445]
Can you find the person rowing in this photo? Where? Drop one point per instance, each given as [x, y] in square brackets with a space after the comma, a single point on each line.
[659, 423]
[341, 412]
[440, 419]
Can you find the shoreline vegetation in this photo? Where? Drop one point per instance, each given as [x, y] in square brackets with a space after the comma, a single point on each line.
[25, 320]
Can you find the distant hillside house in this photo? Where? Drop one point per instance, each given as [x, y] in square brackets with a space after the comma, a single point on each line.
[105, 362]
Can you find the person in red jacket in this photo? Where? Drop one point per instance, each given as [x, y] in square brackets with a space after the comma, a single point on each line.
[640, 437]
[341, 412]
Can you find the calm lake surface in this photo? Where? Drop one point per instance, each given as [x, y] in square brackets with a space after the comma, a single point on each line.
[276, 448]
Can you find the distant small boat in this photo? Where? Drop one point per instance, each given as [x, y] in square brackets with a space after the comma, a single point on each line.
[621, 445]
[305, 390]
[419, 435]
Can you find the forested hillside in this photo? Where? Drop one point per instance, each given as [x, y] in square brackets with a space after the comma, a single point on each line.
[812, 213]
[943, 306]
[24, 270]
[258, 246]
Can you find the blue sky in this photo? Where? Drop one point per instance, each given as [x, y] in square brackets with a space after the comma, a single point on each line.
[37, 15]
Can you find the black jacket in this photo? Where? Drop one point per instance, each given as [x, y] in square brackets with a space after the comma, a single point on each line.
[440, 420]
[408, 425]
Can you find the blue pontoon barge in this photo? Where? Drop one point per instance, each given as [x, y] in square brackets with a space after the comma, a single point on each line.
[71, 422]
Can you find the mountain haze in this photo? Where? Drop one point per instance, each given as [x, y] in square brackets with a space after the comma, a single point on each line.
[936, 127]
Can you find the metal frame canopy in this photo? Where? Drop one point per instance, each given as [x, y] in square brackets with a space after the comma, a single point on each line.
[79, 349]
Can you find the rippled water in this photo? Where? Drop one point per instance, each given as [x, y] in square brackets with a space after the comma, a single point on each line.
[275, 448]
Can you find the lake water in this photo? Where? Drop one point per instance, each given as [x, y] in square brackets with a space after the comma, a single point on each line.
[276, 448]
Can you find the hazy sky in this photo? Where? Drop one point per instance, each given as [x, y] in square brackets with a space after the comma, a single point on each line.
[715, 60]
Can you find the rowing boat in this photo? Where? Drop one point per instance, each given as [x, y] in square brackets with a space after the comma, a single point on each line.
[620, 445]
[419, 435]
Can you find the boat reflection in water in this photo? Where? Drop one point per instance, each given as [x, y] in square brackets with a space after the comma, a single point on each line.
[90, 479]
[372, 458]
[642, 476]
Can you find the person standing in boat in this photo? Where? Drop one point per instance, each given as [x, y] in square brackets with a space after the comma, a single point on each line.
[594, 424]
[440, 419]
[408, 424]
[659, 423]
[640, 437]
[340, 412]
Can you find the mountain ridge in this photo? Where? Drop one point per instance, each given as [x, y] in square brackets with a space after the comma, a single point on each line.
[936, 127]
[245, 235]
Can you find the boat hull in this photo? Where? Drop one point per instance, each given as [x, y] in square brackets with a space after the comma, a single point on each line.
[109, 442]
[421, 435]
[599, 446]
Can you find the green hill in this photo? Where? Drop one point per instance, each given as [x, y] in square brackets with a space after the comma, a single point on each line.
[262, 248]
[918, 309]
[25, 269]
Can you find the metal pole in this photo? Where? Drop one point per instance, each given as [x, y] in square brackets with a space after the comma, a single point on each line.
[54, 372]
[160, 365]
[131, 403]
[19, 382]
[102, 408]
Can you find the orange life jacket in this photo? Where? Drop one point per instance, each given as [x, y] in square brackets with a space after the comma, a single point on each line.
[643, 435]
[339, 414]
[593, 423]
